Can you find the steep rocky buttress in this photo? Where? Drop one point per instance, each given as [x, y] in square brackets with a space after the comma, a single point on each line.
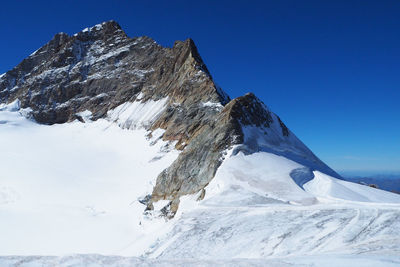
[103, 73]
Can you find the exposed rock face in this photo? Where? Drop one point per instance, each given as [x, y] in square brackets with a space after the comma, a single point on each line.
[101, 70]
[197, 164]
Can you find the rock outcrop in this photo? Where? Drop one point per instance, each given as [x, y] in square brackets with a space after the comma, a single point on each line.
[102, 72]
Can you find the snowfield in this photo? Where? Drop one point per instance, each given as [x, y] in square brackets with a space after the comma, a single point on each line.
[69, 197]
[73, 188]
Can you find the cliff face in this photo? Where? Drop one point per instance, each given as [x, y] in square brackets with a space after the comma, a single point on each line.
[102, 73]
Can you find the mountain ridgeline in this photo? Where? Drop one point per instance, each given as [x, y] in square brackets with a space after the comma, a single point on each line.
[100, 71]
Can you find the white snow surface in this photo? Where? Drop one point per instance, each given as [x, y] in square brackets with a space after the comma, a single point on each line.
[132, 115]
[11, 107]
[73, 189]
[272, 140]
[85, 115]
[96, 27]
[328, 187]
[118, 261]
[256, 179]
[212, 105]
[253, 209]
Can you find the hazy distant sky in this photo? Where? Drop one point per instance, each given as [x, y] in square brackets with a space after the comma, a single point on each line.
[329, 69]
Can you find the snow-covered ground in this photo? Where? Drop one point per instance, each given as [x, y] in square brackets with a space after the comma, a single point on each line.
[69, 193]
[73, 188]
[253, 209]
[118, 261]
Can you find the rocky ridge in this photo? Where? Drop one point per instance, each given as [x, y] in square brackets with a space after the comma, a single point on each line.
[100, 72]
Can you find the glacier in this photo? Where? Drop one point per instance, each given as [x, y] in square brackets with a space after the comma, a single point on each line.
[70, 194]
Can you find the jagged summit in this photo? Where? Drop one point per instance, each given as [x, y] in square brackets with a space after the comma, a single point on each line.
[102, 73]
[192, 50]
[100, 68]
[106, 27]
[105, 30]
[249, 110]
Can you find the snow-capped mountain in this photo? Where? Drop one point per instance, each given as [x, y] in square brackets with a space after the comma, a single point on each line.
[119, 146]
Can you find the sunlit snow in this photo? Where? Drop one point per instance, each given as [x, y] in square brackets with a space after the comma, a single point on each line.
[73, 189]
[136, 114]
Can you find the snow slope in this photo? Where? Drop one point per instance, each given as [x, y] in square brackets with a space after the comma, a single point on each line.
[257, 179]
[74, 188]
[117, 261]
[133, 115]
[254, 209]
[325, 186]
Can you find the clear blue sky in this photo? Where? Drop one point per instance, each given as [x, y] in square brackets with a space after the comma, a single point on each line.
[329, 69]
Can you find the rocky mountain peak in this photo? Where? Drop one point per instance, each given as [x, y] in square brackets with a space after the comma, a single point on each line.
[136, 83]
[249, 110]
[58, 40]
[103, 31]
[191, 51]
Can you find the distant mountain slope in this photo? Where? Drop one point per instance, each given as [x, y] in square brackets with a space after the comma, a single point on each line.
[388, 182]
